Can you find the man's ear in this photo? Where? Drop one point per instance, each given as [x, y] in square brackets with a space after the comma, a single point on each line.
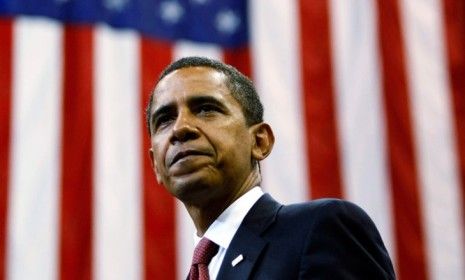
[263, 141]
[154, 166]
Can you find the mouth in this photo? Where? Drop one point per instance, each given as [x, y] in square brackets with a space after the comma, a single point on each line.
[183, 154]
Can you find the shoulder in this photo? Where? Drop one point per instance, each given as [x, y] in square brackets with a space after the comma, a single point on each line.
[309, 214]
[320, 239]
[323, 209]
[333, 218]
[344, 236]
[332, 204]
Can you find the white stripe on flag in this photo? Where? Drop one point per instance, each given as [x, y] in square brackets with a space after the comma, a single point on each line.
[436, 150]
[185, 228]
[276, 69]
[186, 48]
[184, 240]
[33, 213]
[117, 160]
[360, 112]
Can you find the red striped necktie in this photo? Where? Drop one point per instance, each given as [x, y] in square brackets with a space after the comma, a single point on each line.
[203, 253]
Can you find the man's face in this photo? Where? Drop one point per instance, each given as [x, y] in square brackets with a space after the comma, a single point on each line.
[201, 145]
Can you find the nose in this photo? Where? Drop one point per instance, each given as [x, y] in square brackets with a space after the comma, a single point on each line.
[184, 128]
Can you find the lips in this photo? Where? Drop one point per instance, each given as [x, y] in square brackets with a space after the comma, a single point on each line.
[182, 154]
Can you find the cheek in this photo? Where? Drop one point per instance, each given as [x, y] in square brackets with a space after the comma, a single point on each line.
[159, 152]
[236, 145]
[159, 167]
[156, 157]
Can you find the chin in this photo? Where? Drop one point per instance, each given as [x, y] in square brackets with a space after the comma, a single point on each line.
[194, 188]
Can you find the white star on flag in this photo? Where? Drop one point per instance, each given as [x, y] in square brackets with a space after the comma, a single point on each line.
[227, 22]
[171, 11]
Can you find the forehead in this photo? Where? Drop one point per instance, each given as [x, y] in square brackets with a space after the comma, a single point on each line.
[188, 82]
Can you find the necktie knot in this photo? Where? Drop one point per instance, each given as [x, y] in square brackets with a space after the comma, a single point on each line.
[204, 251]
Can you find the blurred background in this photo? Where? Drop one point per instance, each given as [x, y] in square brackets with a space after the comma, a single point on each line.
[366, 98]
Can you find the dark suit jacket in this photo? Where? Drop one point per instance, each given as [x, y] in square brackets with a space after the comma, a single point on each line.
[322, 239]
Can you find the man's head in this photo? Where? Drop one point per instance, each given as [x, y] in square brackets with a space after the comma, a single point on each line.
[241, 88]
[206, 138]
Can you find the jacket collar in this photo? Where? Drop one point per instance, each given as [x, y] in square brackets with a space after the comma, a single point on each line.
[248, 244]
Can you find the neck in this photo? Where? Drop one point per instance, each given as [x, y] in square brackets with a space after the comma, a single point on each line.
[203, 216]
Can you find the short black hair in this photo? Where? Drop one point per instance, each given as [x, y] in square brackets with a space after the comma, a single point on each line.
[241, 87]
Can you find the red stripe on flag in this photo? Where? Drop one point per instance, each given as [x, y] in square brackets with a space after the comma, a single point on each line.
[455, 42]
[5, 121]
[239, 58]
[320, 121]
[408, 220]
[159, 208]
[77, 151]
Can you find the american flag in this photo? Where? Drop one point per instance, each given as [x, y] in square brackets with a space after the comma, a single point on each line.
[366, 98]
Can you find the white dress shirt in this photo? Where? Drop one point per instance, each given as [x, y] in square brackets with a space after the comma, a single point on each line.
[223, 229]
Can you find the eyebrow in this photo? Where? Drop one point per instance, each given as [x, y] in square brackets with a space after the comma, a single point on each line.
[192, 101]
[197, 100]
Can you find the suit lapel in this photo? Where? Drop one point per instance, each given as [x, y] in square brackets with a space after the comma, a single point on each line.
[247, 244]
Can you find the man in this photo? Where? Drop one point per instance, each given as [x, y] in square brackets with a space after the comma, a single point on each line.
[207, 138]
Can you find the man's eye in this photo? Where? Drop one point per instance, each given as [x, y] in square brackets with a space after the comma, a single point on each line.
[208, 108]
[162, 121]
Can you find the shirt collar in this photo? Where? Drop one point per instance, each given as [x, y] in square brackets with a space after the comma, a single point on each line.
[223, 229]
